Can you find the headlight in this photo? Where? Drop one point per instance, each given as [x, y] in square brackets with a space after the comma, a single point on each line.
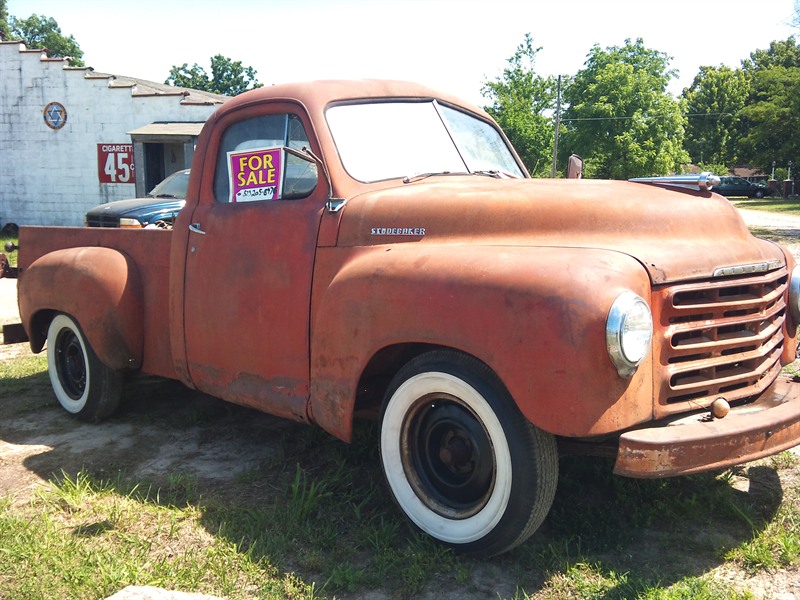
[126, 222]
[629, 331]
[794, 294]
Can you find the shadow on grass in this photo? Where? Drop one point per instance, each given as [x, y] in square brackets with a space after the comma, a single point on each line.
[655, 532]
[296, 499]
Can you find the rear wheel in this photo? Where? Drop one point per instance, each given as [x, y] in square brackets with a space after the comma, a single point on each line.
[84, 386]
[462, 462]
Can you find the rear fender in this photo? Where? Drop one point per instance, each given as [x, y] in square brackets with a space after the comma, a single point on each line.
[100, 288]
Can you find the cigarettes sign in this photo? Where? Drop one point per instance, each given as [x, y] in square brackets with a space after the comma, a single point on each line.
[115, 163]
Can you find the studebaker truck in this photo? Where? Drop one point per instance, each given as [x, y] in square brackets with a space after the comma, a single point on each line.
[357, 247]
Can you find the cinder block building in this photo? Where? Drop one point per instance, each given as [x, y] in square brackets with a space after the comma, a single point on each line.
[72, 138]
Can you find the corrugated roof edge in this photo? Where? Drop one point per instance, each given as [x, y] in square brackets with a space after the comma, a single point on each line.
[140, 88]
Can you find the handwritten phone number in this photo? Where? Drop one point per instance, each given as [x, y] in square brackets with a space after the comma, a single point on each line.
[264, 193]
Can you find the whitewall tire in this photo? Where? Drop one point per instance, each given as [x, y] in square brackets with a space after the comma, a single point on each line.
[83, 385]
[460, 459]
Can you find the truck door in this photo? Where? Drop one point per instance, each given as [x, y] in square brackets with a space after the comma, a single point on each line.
[249, 262]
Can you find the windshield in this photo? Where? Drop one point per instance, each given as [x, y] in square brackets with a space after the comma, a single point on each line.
[402, 139]
[173, 186]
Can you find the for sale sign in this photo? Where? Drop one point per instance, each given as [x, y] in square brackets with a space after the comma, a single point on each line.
[255, 174]
[115, 163]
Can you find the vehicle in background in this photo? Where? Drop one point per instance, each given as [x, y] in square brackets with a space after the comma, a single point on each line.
[158, 209]
[739, 186]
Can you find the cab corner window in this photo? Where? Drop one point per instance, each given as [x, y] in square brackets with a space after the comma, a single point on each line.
[261, 159]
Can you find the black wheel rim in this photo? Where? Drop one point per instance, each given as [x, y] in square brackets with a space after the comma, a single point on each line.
[449, 458]
[70, 364]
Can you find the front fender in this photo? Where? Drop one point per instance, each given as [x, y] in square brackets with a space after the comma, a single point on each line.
[100, 288]
[536, 316]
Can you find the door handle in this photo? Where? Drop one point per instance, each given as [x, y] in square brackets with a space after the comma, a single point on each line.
[196, 228]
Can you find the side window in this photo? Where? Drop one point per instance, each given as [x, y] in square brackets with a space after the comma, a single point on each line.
[258, 159]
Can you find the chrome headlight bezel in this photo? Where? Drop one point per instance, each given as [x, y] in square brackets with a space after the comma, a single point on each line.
[629, 332]
[794, 294]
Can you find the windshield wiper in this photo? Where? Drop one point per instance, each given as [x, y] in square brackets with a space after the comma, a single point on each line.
[484, 173]
[421, 176]
[496, 174]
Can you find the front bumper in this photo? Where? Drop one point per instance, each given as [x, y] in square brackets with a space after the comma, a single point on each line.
[696, 443]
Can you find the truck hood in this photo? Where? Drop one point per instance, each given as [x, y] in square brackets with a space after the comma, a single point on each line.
[675, 234]
[134, 206]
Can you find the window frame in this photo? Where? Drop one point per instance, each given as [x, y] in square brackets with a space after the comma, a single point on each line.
[220, 183]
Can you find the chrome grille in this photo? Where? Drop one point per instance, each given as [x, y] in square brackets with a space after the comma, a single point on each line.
[102, 221]
[720, 338]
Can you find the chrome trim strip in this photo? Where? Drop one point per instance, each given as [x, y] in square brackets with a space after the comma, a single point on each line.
[761, 267]
[703, 182]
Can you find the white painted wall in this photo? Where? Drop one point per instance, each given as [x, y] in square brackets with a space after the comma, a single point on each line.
[47, 176]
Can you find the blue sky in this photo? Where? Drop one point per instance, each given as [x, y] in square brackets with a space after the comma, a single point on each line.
[453, 45]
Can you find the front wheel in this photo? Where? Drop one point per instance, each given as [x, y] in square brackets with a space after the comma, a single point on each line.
[84, 386]
[462, 462]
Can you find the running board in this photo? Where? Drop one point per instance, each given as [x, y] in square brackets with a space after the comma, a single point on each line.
[703, 182]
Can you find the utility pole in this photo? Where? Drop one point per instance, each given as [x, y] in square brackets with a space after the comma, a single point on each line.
[558, 123]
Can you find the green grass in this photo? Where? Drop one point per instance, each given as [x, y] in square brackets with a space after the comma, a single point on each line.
[21, 367]
[12, 256]
[325, 531]
[82, 538]
[777, 205]
[23, 374]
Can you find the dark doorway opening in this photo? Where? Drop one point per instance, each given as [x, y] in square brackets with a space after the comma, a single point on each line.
[154, 165]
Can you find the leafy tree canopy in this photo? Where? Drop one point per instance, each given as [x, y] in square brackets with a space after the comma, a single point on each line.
[518, 99]
[771, 118]
[38, 31]
[5, 28]
[712, 105]
[228, 77]
[621, 118]
[779, 54]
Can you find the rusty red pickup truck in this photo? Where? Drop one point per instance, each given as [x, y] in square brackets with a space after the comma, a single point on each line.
[378, 248]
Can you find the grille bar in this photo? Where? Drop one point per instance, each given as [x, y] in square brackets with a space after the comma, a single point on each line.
[722, 337]
[102, 221]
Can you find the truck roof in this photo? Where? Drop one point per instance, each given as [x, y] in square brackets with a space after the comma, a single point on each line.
[316, 95]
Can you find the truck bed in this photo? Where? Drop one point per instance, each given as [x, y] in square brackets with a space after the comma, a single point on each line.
[148, 248]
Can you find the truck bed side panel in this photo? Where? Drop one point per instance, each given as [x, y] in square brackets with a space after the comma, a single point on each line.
[148, 249]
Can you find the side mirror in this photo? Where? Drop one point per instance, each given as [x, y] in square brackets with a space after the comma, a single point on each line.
[300, 176]
[574, 167]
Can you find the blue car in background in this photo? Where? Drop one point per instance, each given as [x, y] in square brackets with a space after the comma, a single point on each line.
[158, 209]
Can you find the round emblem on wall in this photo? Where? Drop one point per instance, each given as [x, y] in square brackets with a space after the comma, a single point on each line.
[55, 115]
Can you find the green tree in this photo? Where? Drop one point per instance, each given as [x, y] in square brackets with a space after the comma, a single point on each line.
[5, 28]
[712, 105]
[779, 54]
[228, 77]
[771, 117]
[620, 117]
[38, 31]
[518, 100]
